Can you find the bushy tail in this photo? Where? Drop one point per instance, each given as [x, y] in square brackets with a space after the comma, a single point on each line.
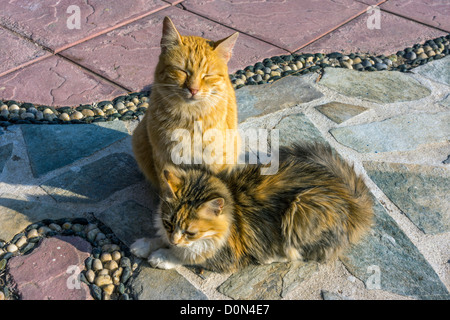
[361, 208]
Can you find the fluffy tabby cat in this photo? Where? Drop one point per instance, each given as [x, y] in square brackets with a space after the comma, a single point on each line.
[191, 84]
[312, 209]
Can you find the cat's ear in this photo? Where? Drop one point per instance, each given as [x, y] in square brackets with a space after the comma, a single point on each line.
[225, 46]
[172, 183]
[214, 206]
[170, 35]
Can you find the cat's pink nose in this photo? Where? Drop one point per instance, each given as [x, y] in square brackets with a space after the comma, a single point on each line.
[193, 91]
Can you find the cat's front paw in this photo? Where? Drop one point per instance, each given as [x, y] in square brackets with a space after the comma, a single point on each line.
[141, 248]
[162, 259]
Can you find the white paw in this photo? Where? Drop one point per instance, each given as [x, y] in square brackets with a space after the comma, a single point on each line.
[141, 248]
[162, 259]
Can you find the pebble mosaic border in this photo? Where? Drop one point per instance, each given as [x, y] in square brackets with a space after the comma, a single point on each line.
[133, 105]
[107, 269]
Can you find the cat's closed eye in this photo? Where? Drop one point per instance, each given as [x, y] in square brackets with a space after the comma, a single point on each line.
[168, 225]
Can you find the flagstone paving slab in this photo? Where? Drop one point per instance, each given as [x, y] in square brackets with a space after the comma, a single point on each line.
[302, 21]
[430, 12]
[263, 99]
[49, 272]
[95, 181]
[50, 23]
[5, 155]
[421, 192]
[129, 55]
[269, 282]
[400, 133]
[129, 221]
[15, 51]
[339, 112]
[156, 284]
[65, 84]
[381, 87]
[386, 259]
[54, 146]
[356, 36]
[17, 213]
[438, 71]
[297, 127]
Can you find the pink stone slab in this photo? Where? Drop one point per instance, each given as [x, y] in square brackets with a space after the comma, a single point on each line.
[173, 2]
[46, 22]
[395, 33]
[54, 81]
[372, 2]
[434, 13]
[16, 52]
[129, 55]
[288, 24]
[48, 272]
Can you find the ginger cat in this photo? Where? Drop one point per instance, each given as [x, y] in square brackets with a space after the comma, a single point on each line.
[191, 84]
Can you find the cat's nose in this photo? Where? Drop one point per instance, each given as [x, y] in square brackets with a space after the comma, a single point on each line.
[193, 91]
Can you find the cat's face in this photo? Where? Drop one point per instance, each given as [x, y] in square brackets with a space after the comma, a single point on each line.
[192, 68]
[191, 212]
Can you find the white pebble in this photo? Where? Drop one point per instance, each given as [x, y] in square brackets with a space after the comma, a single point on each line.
[120, 106]
[64, 117]
[103, 280]
[77, 115]
[116, 255]
[55, 227]
[14, 107]
[90, 276]
[43, 230]
[111, 265]
[11, 248]
[97, 265]
[88, 113]
[105, 257]
[32, 234]
[108, 289]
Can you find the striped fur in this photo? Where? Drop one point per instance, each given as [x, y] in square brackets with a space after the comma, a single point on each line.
[312, 209]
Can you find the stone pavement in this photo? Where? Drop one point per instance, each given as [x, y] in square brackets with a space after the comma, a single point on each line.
[114, 48]
[399, 142]
[72, 199]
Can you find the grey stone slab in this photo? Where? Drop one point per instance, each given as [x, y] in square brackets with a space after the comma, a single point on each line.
[421, 192]
[438, 70]
[263, 99]
[381, 86]
[156, 284]
[95, 181]
[271, 282]
[401, 133]
[339, 112]
[446, 101]
[327, 295]
[5, 155]
[298, 128]
[54, 146]
[16, 214]
[386, 259]
[129, 221]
